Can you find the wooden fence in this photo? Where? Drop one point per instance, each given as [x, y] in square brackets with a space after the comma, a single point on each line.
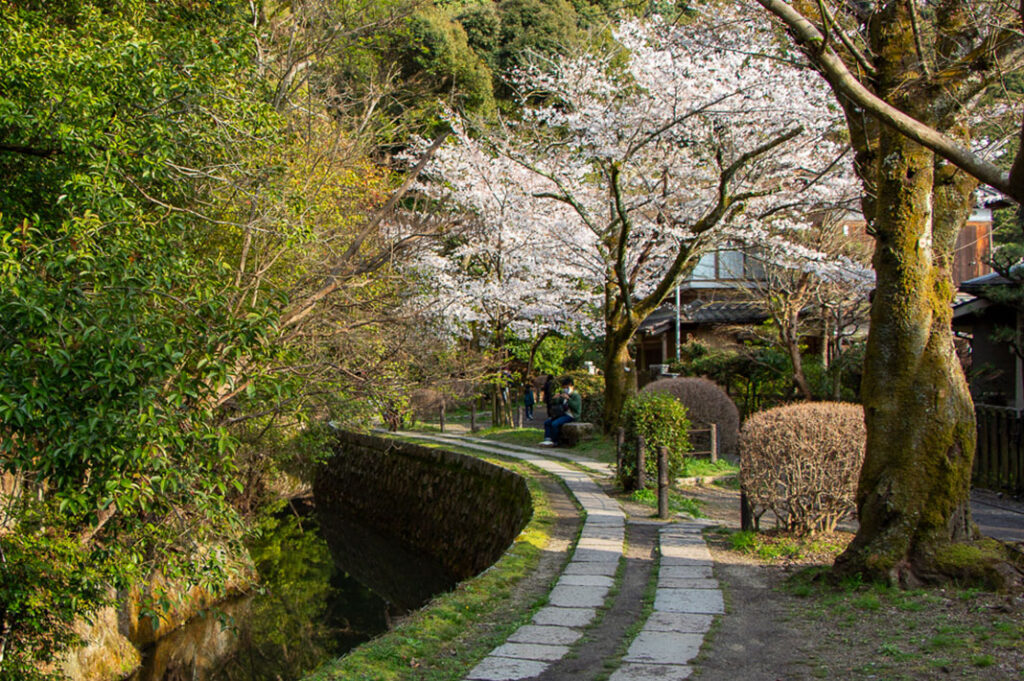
[999, 458]
[707, 439]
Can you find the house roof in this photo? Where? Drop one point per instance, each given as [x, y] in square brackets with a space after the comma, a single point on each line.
[705, 312]
[977, 285]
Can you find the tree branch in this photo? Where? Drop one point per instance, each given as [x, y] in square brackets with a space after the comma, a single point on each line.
[839, 76]
[29, 151]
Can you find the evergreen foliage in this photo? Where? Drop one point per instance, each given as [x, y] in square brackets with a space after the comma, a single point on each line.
[661, 421]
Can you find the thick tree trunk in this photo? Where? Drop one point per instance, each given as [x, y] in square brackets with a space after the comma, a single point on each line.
[914, 487]
[619, 377]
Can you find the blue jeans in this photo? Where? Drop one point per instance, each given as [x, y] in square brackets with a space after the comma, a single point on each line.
[552, 426]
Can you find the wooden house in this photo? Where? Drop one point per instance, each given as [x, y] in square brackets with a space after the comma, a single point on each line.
[995, 369]
[720, 295]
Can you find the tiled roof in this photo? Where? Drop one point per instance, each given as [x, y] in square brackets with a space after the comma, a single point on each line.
[706, 312]
[977, 285]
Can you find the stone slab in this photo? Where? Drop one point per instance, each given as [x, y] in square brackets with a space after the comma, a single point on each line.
[632, 671]
[682, 622]
[662, 647]
[605, 568]
[586, 580]
[687, 583]
[672, 561]
[566, 617]
[596, 556]
[696, 552]
[594, 544]
[546, 634]
[701, 601]
[531, 651]
[566, 596]
[606, 532]
[606, 517]
[506, 669]
[685, 572]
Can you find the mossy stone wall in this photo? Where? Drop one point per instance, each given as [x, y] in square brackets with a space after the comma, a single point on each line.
[460, 511]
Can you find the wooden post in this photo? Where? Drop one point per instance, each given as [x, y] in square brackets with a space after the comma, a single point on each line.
[472, 417]
[714, 442]
[620, 441]
[641, 446]
[663, 482]
[442, 417]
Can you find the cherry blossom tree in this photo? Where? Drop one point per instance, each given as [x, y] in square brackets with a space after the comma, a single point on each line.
[813, 275]
[626, 162]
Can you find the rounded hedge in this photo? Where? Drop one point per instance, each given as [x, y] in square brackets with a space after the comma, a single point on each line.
[706, 403]
[802, 462]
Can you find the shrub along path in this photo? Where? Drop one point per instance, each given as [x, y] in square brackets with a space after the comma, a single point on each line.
[586, 625]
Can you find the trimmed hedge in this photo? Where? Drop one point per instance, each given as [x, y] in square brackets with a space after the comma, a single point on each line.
[705, 403]
[802, 462]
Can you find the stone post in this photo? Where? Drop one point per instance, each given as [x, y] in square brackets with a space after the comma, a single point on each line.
[620, 442]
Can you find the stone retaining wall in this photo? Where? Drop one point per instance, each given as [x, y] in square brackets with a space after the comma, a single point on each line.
[461, 512]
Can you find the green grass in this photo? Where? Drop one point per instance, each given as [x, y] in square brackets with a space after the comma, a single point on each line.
[598, 447]
[677, 503]
[442, 641]
[526, 437]
[697, 467]
[885, 632]
[774, 547]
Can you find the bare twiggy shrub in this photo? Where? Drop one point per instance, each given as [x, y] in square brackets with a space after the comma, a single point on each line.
[705, 403]
[426, 403]
[802, 462]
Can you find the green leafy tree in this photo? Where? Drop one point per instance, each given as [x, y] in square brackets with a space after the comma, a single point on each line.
[117, 331]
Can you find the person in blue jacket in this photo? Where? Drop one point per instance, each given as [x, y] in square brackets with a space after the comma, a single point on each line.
[564, 408]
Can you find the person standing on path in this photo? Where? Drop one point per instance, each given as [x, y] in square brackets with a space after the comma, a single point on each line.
[547, 393]
[563, 409]
[528, 400]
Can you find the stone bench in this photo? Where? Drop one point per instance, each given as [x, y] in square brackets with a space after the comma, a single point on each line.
[571, 433]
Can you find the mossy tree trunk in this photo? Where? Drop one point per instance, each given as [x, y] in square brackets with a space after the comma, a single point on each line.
[913, 496]
[913, 493]
[620, 381]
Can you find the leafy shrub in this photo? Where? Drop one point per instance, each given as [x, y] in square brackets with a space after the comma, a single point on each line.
[705, 403]
[802, 462]
[661, 420]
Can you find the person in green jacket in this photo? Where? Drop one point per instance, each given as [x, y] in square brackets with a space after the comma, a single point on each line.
[566, 407]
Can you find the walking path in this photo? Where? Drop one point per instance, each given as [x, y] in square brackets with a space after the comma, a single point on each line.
[686, 600]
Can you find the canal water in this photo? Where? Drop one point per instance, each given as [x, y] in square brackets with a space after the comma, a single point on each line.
[326, 585]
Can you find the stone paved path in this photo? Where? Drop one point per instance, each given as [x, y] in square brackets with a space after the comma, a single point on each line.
[686, 600]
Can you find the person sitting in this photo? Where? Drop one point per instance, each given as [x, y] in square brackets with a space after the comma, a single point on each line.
[566, 407]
